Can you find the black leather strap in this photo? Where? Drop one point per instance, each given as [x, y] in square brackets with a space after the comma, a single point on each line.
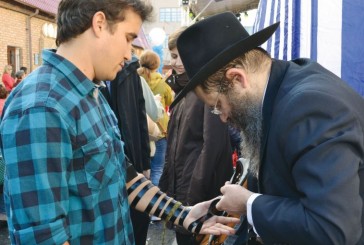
[140, 194]
[130, 170]
[194, 224]
[213, 210]
[183, 216]
[135, 185]
[161, 205]
[153, 202]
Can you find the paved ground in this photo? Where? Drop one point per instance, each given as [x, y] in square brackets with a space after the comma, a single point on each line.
[157, 235]
[4, 237]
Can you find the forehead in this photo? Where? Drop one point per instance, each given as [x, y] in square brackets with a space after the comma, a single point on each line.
[174, 51]
[132, 22]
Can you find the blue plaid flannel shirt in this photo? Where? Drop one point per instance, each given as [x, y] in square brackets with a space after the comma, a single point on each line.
[65, 176]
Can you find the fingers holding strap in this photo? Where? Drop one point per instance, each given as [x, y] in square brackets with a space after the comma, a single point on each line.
[195, 226]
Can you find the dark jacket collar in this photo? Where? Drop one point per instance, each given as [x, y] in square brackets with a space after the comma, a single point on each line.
[129, 68]
[278, 71]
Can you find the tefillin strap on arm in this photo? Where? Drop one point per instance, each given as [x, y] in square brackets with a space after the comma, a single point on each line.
[146, 197]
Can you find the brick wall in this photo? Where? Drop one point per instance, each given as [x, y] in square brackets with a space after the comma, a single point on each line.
[13, 32]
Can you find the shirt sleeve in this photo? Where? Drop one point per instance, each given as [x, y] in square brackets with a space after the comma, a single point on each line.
[37, 151]
[249, 210]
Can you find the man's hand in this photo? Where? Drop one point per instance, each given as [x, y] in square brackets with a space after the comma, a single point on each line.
[214, 225]
[234, 199]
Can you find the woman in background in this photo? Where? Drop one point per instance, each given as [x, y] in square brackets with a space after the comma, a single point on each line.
[149, 62]
[7, 79]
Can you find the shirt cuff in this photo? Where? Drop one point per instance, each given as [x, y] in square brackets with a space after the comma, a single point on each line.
[249, 210]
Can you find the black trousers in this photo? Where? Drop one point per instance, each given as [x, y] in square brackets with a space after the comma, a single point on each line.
[185, 239]
[140, 223]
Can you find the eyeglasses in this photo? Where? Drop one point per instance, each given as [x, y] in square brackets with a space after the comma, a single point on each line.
[215, 110]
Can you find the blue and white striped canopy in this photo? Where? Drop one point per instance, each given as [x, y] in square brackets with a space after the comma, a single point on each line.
[328, 31]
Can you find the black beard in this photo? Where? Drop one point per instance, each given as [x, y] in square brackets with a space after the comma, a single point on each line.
[246, 115]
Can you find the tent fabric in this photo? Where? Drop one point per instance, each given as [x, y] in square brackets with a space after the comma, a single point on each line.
[141, 41]
[330, 32]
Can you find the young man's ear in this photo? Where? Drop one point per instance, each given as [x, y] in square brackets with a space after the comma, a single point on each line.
[237, 75]
[99, 23]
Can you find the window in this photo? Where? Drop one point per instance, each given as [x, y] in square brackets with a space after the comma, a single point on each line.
[14, 57]
[170, 15]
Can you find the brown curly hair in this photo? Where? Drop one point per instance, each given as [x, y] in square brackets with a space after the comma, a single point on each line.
[149, 62]
[74, 17]
[250, 61]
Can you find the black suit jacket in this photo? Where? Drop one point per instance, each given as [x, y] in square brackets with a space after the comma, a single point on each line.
[127, 101]
[312, 156]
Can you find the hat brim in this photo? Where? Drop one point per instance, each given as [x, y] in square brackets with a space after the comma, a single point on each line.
[223, 58]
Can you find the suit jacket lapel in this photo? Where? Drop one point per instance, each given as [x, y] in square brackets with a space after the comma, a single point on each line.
[278, 71]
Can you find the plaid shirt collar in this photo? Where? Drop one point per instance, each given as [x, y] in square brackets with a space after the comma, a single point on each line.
[81, 83]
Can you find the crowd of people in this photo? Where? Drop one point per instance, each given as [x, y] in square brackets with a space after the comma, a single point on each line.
[96, 143]
[9, 80]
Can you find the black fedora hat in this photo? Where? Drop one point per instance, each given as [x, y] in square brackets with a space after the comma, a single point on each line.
[210, 44]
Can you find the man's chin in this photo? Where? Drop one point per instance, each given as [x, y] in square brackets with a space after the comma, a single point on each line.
[110, 77]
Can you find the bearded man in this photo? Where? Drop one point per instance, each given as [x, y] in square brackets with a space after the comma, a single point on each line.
[302, 130]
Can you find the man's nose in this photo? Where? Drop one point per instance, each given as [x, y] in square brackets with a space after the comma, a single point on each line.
[127, 56]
